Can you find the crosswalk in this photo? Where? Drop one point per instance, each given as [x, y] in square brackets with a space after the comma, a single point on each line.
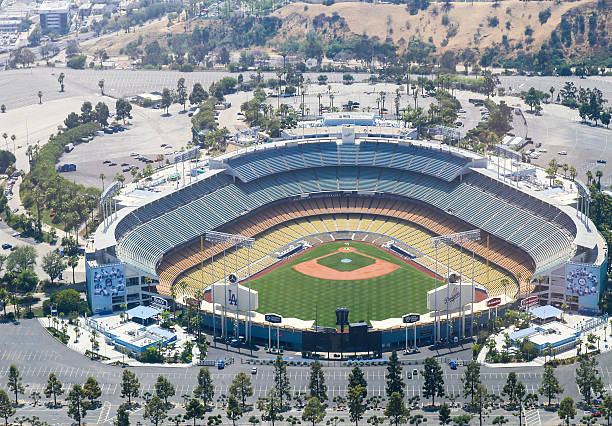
[532, 417]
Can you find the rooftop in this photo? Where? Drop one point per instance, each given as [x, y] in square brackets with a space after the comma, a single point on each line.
[545, 312]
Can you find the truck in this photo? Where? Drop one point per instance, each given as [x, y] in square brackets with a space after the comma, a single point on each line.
[69, 147]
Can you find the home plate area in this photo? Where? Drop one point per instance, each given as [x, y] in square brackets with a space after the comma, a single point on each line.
[345, 264]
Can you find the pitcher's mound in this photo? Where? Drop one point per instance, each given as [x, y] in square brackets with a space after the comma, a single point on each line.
[338, 265]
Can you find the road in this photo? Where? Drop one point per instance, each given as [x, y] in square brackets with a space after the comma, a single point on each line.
[37, 354]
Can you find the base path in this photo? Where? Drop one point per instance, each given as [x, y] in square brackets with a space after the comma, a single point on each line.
[315, 270]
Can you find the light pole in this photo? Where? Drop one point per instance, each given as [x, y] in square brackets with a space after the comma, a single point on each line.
[459, 238]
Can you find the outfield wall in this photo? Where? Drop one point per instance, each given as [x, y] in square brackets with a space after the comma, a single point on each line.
[293, 340]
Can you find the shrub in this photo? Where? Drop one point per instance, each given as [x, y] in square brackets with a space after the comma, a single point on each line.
[544, 15]
[77, 62]
[492, 21]
[187, 67]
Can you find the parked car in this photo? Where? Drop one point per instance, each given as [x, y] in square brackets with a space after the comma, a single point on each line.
[7, 246]
[562, 152]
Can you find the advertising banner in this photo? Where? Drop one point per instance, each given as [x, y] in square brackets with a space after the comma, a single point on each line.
[583, 281]
[106, 282]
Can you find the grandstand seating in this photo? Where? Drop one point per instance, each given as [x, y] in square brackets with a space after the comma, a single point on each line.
[283, 224]
[402, 156]
[413, 173]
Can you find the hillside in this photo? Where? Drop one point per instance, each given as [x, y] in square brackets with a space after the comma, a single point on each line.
[478, 25]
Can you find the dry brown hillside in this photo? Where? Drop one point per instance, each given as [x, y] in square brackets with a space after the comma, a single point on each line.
[387, 21]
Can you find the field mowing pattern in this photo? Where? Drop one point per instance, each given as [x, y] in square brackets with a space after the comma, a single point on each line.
[291, 294]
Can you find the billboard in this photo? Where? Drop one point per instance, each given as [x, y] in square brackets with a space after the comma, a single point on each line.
[452, 295]
[104, 283]
[232, 297]
[583, 281]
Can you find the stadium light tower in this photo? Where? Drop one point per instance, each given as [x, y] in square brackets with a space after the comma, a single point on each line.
[228, 241]
[447, 240]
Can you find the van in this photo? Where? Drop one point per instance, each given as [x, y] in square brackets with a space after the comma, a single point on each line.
[69, 147]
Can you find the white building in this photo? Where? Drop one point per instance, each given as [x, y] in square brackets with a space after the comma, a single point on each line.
[54, 16]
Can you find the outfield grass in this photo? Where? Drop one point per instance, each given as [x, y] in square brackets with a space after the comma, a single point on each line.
[292, 294]
[335, 261]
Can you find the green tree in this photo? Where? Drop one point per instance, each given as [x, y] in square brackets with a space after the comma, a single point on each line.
[567, 410]
[395, 383]
[21, 259]
[26, 281]
[155, 410]
[606, 408]
[314, 412]
[500, 420]
[130, 386]
[588, 379]
[471, 379]
[316, 383]
[233, 412]
[73, 262]
[510, 387]
[54, 388]
[532, 98]
[123, 110]
[482, 402]
[101, 115]
[355, 403]
[123, 416]
[241, 388]
[357, 378]
[194, 410]
[444, 414]
[462, 420]
[396, 411]
[270, 406]
[164, 389]
[433, 380]
[14, 383]
[197, 95]
[281, 380]
[92, 391]
[205, 390]
[489, 84]
[53, 264]
[181, 92]
[60, 80]
[550, 384]
[166, 100]
[6, 409]
[77, 403]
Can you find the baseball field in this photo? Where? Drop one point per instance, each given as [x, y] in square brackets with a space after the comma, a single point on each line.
[371, 282]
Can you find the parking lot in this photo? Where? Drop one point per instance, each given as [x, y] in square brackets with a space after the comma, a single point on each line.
[147, 131]
[37, 354]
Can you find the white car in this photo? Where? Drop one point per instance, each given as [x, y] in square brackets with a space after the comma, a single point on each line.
[562, 152]
[542, 150]
[134, 154]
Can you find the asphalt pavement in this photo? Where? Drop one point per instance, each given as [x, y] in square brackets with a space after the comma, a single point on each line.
[36, 354]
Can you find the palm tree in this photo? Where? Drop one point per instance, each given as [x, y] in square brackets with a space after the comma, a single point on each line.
[552, 91]
[331, 101]
[101, 86]
[573, 173]
[5, 136]
[40, 95]
[598, 175]
[565, 168]
[319, 96]
[102, 177]
[589, 176]
[60, 80]
[13, 137]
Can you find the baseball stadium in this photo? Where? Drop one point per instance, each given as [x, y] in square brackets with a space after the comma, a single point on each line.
[286, 232]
